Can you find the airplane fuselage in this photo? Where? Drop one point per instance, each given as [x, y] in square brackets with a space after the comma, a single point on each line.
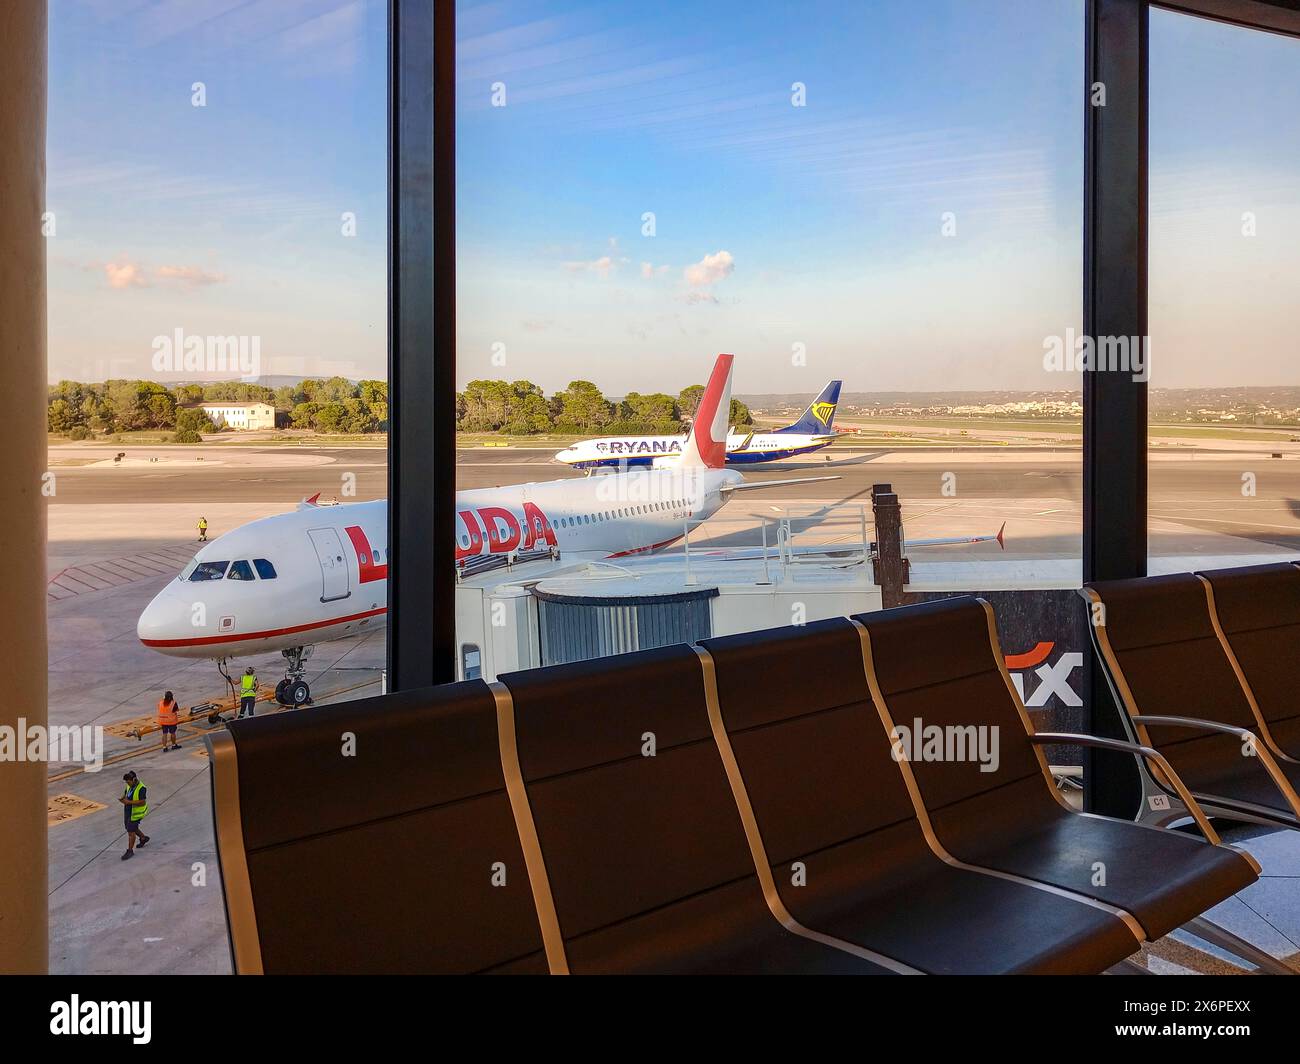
[643, 451]
[321, 572]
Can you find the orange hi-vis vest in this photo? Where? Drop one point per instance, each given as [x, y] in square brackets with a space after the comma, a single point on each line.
[167, 714]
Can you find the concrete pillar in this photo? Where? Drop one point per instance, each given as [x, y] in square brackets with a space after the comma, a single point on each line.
[24, 923]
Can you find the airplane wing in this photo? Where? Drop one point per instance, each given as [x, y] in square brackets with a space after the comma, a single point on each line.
[771, 483]
[846, 550]
[830, 551]
[998, 537]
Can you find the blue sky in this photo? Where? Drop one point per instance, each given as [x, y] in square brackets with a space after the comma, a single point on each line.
[1224, 143]
[776, 225]
[223, 219]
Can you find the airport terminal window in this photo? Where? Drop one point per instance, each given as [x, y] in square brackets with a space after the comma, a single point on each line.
[216, 223]
[1224, 211]
[888, 196]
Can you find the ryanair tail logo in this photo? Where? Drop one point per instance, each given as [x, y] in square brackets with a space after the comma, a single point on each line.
[823, 411]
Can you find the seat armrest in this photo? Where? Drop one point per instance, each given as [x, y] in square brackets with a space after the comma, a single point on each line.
[1154, 756]
[1261, 750]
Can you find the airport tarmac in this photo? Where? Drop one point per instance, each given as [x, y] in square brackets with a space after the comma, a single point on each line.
[117, 533]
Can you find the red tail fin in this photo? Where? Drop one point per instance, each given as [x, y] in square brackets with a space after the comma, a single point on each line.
[707, 444]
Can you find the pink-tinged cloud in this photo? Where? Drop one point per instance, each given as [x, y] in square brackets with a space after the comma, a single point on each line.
[711, 269]
[125, 275]
[190, 276]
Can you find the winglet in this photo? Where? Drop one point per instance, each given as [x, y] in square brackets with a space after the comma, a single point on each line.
[1000, 537]
[706, 446]
[312, 501]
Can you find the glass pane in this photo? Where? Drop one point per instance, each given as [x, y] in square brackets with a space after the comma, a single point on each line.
[877, 208]
[1225, 266]
[217, 352]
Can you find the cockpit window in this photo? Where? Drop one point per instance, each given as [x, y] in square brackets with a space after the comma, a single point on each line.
[264, 568]
[240, 570]
[208, 571]
[189, 568]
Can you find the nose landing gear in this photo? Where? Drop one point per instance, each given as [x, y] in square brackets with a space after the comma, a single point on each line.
[293, 689]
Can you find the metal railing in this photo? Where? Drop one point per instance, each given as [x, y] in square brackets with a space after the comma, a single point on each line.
[812, 534]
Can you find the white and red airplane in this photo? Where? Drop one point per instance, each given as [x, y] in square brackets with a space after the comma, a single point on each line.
[320, 573]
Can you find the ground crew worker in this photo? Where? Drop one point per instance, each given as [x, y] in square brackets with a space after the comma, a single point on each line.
[135, 808]
[168, 718]
[247, 691]
[203, 529]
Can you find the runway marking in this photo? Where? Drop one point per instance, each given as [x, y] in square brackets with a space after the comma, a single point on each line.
[64, 807]
[102, 574]
[1183, 519]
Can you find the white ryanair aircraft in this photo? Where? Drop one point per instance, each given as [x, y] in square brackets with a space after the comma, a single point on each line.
[811, 432]
[321, 572]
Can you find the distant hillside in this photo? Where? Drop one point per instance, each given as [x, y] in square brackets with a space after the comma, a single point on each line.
[1273, 403]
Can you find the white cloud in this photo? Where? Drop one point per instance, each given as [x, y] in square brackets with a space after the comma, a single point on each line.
[125, 275]
[711, 269]
[603, 266]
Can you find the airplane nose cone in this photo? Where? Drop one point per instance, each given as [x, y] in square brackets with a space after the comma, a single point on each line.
[165, 621]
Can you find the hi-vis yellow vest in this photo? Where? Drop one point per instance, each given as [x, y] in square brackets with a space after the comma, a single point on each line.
[247, 686]
[137, 811]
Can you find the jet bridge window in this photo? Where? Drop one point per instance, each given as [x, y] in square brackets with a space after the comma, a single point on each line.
[240, 570]
[264, 568]
[208, 571]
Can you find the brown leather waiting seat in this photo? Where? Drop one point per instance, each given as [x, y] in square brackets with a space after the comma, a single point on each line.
[645, 853]
[841, 835]
[395, 851]
[606, 816]
[1175, 680]
[1258, 609]
[939, 664]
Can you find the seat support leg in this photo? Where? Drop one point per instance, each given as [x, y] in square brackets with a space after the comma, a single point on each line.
[1235, 944]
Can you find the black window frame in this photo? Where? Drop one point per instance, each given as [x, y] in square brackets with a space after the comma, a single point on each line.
[1115, 240]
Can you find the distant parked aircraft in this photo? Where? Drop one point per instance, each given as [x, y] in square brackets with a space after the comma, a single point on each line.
[810, 433]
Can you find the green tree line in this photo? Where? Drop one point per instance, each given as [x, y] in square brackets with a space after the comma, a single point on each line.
[338, 405]
[334, 404]
[520, 408]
